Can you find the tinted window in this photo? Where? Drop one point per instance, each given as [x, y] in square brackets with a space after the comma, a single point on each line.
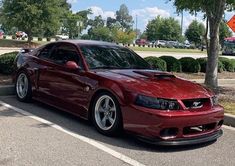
[112, 57]
[45, 52]
[64, 53]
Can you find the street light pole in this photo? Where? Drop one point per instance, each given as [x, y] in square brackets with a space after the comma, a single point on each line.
[136, 26]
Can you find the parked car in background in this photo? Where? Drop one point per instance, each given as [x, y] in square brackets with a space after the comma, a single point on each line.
[21, 34]
[116, 89]
[62, 37]
[160, 43]
[187, 45]
[1, 34]
[141, 42]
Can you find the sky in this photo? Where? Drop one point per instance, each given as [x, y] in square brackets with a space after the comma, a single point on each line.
[144, 10]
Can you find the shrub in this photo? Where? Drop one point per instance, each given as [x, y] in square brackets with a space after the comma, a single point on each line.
[39, 38]
[228, 64]
[48, 39]
[13, 37]
[203, 62]
[233, 62]
[172, 63]
[7, 62]
[190, 65]
[4, 37]
[23, 38]
[156, 63]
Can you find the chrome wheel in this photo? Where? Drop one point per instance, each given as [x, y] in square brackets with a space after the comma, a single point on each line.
[22, 86]
[105, 112]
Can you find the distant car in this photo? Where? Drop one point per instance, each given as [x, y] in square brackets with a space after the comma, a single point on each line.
[141, 42]
[116, 89]
[160, 43]
[62, 37]
[187, 45]
[1, 33]
[21, 34]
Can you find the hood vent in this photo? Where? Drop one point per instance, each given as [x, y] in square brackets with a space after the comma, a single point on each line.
[155, 75]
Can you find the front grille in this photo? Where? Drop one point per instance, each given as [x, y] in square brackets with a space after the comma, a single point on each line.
[196, 103]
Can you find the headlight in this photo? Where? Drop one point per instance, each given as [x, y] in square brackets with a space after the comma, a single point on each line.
[214, 100]
[156, 103]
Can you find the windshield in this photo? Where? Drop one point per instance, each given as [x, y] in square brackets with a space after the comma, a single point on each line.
[112, 57]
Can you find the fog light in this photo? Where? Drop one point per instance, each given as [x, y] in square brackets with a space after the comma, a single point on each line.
[169, 133]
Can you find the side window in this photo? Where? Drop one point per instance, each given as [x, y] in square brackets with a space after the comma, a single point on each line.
[45, 52]
[64, 53]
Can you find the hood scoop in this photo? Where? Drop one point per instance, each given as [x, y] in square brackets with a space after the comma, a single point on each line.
[155, 75]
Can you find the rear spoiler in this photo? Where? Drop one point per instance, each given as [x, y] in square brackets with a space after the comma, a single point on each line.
[26, 50]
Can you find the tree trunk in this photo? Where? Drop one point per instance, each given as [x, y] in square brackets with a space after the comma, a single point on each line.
[214, 17]
[211, 79]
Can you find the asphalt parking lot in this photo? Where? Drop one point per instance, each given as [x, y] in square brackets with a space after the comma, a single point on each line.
[36, 134]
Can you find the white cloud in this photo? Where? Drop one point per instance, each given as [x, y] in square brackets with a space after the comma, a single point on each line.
[146, 14]
[99, 11]
[72, 1]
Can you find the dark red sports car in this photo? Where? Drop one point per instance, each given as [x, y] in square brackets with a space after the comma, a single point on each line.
[116, 89]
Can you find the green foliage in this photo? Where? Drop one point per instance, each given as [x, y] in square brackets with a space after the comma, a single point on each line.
[224, 32]
[6, 62]
[100, 33]
[163, 29]
[34, 17]
[156, 63]
[233, 62]
[123, 37]
[173, 65]
[190, 65]
[123, 17]
[195, 32]
[13, 37]
[70, 23]
[39, 38]
[228, 64]
[203, 62]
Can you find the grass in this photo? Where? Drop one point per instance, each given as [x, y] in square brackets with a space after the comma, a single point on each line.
[229, 106]
[176, 50]
[18, 43]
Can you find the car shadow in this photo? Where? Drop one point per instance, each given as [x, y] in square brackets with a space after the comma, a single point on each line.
[85, 128]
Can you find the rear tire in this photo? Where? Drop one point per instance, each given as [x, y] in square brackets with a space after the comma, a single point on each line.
[106, 114]
[23, 87]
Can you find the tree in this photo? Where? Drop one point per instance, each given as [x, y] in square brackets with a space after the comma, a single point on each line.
[152, 29]
[163, 29]
[213, 10]
[70, 22]
[124, 37]
[33, 16]
[123, 17]
[224, 32]
[195, 32]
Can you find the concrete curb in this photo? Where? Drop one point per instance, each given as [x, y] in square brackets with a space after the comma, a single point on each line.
[7, 90]
[229, 120]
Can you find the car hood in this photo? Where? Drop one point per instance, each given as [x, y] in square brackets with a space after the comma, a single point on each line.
[155, 83]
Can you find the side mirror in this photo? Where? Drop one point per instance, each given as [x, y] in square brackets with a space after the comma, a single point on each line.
[72, 65]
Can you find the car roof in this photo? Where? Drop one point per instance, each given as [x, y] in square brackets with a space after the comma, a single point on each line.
[88, 42]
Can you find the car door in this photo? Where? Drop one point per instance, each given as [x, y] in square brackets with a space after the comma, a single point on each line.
[65, 88]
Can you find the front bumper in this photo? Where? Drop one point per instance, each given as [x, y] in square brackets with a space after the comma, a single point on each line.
[173, 128]
[184, 141]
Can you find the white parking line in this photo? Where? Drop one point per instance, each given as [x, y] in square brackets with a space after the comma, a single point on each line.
[92, 142]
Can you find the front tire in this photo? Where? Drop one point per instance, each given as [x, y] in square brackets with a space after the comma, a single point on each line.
[23, 87]
[106, 114]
